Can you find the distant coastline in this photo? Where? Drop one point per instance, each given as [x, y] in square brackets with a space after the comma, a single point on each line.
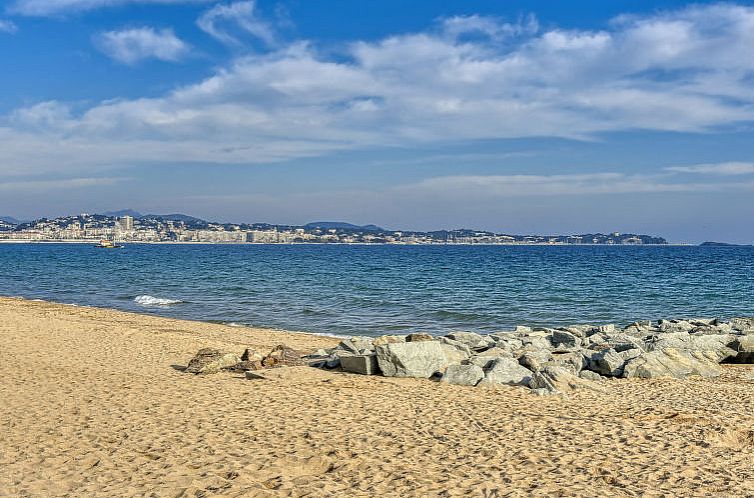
[181, 228]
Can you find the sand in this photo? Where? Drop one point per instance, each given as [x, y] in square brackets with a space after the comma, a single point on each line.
[91, 405]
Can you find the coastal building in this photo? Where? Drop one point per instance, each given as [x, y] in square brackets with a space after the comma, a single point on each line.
[126, 223]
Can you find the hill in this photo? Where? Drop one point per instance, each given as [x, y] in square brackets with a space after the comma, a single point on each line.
[342, 225]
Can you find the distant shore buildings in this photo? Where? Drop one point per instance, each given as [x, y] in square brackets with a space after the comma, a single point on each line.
[153, 229]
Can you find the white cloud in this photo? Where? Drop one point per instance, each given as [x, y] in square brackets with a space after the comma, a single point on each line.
[61, 7]
[726, 169]
[682, 71]
[8, 27]
[220, 20]
[130, 46]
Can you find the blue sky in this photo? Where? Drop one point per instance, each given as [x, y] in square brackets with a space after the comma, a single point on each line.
[518, 117]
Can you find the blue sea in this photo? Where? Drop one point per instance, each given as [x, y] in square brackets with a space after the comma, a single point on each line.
[373, 290]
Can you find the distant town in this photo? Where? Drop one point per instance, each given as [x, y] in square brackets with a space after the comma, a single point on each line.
[129, 226]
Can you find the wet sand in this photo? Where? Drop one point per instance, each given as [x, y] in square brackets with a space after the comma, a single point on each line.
[92, 404]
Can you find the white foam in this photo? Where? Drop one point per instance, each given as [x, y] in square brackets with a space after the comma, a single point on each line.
[146, 300]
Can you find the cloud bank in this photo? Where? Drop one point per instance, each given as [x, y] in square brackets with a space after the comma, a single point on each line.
[463, 80]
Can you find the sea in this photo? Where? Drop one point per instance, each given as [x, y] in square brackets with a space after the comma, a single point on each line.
[372, 290]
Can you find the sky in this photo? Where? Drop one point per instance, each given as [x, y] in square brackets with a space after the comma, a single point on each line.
[527, 117]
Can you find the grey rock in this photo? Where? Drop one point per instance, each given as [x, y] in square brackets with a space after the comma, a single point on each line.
[743, 324]
[557, 379]
[534, 360]
[360, 364]
[574, 361]
[563, 338]
[388, 339]
[743, 345]
[589, 375]
[506, 371]
[672, 363]
[471, 339]
[411, 359]
[463, 375]
[419, 337]
[210, 360]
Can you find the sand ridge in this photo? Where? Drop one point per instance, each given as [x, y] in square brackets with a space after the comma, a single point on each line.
[91, 406]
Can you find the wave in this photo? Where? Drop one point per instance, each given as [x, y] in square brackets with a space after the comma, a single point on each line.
[147, 300]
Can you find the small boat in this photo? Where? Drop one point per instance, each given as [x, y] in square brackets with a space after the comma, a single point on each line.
[107, 244]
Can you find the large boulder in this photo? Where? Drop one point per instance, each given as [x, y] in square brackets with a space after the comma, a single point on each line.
[671, 362]
[388, 339]
[743, 345]
[718, 344]
[411, 359]
[536, 359]
[575, 361]
[506, 371]
[743, 324]
[455, 352]
[283, 356]
[471, 339]
[507, 340]
[463, 375]
[419, 337]
[610, 363]
[557, 379]
[210, 360]
[563, 339]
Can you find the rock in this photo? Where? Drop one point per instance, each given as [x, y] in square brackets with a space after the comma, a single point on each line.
[534, 360]
[573, 361]
[506, 371]
[282, 355]
[743, 345]
[495, 352]
[536, 341]
[507, 341]
[563, 338]
[463, 348]
[471, 339]
[250, 355]
[245, 365]
[607, 329]
[671, 363]
[558, 379]
[581, 330]
[463, 375]
[210, 360]
[482, 361]
[360, 364]
[541, 392]
[743, 324]
[523, 329]
[718, 343]
[419, 337]
[411, 359]
[624, 342]
[589, 375]
[607, 362]
[388, 339]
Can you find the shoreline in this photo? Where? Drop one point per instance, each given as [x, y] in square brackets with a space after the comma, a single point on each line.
[463, 244]
[95, 404]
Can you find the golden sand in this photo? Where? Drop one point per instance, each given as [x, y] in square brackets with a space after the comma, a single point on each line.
[91, 405]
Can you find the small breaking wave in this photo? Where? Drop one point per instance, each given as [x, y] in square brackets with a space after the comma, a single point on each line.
[147, 300]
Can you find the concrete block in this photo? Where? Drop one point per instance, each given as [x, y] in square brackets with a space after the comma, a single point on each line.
[365, 364]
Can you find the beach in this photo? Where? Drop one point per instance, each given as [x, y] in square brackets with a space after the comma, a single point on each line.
[94, 403]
